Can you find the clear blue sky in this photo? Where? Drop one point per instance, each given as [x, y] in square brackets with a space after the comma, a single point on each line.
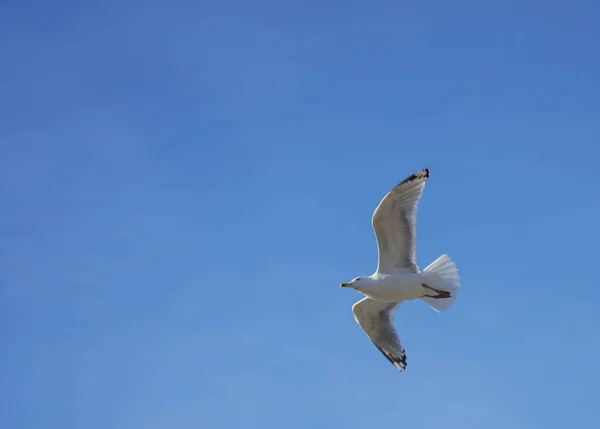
[183, 185]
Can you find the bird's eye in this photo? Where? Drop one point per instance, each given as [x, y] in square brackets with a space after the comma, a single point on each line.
[357, 279]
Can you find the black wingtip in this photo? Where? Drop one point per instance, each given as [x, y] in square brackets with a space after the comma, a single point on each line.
[398, 361]
[424, 173]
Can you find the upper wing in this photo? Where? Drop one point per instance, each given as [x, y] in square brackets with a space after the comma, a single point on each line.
[375, 319]
[395, 224]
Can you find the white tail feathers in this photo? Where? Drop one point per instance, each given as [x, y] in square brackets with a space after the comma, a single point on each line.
[442, 275]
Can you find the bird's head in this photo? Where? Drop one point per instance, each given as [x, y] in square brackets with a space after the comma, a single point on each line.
[356, 283]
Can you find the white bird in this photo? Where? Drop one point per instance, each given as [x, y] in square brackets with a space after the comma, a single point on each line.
[398, 277]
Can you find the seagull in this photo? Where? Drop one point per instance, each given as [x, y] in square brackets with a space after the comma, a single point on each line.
[398, 277]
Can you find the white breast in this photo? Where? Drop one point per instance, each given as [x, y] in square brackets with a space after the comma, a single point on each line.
[397, 287]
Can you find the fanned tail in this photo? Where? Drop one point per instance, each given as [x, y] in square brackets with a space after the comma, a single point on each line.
[442, 275]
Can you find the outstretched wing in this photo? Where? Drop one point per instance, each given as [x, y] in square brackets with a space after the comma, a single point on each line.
[395, 224]
[375, 319]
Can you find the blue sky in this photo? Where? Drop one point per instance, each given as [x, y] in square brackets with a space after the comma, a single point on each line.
[183, 185]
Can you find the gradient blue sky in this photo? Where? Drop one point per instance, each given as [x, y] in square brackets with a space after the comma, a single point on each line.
[184, 185]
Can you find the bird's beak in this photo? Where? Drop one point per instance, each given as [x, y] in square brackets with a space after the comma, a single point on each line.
[343, 284]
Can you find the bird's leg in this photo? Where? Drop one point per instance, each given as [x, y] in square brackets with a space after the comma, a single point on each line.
[438, 293]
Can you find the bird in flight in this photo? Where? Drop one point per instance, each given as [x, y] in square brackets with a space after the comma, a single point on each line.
[398, 277]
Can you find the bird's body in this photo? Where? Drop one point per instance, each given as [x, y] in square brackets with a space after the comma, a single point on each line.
[398, 277]
[396, 287]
